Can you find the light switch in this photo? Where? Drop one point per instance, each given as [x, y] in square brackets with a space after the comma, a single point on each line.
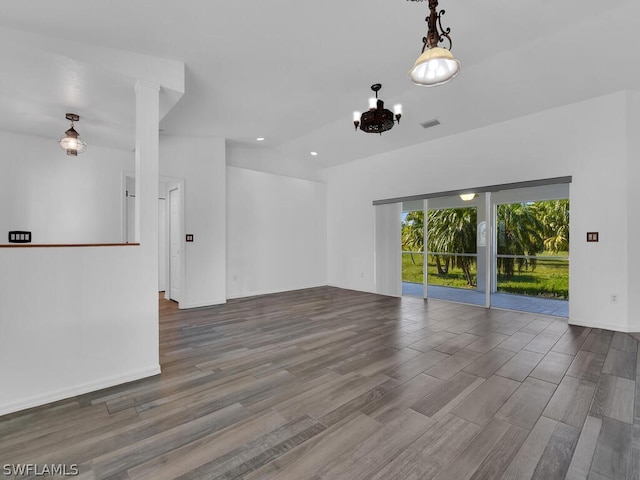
[18, 236]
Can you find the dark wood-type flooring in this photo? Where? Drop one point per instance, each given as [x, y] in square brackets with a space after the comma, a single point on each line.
[334, 384]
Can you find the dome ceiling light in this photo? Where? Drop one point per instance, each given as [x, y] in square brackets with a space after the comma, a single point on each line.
[71, 141]
[436, 65]
[378, 119]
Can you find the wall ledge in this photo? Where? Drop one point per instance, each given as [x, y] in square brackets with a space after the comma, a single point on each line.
[66, 245]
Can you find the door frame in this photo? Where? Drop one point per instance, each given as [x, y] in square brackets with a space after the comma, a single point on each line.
[170, 183]
[558, 191]
[173, 186]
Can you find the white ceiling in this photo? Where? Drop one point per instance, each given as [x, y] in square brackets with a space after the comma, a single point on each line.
[294, 71]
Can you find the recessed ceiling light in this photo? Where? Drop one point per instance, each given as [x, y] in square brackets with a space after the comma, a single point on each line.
[314, 153]
[260, 139]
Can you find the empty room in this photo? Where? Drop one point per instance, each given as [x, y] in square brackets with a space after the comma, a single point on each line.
[370, 240]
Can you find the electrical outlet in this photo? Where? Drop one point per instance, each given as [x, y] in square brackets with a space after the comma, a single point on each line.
[614, 298]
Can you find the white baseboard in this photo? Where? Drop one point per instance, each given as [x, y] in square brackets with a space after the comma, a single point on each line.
[351, 288]
[184, 306]
[271, 291]
[76, 390]
[605, 326]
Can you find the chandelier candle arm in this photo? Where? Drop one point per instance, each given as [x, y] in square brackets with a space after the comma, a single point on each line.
[397, 110]
[356, 119]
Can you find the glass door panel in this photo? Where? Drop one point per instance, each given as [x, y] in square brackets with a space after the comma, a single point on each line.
[531, 263]
[412, 233]
[455, 268]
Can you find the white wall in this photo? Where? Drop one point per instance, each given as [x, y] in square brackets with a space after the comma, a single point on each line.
[263, 158]
[586, 140]
[61, 199]
[388, 243]
[276, 233]
[633, 215]
[72, 319]
[200, 161]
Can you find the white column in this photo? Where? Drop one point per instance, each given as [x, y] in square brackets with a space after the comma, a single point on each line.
[147, 164]
[147, 181]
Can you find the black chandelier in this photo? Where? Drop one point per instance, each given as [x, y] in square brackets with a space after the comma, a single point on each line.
[377, 119]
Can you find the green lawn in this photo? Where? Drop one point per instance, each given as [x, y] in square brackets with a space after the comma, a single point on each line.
[412, 272]
[549, 279]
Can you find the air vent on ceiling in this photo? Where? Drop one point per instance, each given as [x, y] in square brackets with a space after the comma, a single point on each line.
[430, 123]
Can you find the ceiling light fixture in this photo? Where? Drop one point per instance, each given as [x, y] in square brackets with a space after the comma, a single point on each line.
[467, 196]
[378, 119]
[260, 139]
[71, 141]
[436, 65]
[314, 154]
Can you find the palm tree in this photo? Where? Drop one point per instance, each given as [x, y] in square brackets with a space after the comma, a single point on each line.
[413, 233]
[524, 229]
[452, 231]
[520, 232]
[554, 217]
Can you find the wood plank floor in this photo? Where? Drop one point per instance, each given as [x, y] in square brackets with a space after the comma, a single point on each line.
[327, 384]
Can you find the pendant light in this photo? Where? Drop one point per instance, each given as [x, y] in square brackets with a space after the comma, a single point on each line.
[71, 141]
[377, 119]
[436, 65]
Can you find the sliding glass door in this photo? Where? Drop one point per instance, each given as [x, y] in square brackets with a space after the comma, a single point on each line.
[505, 248]
[455, 256]
[531, 259]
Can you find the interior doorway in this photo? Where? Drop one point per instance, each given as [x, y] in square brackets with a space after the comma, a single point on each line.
[170, 230]
[175, 244]
[162, 243]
